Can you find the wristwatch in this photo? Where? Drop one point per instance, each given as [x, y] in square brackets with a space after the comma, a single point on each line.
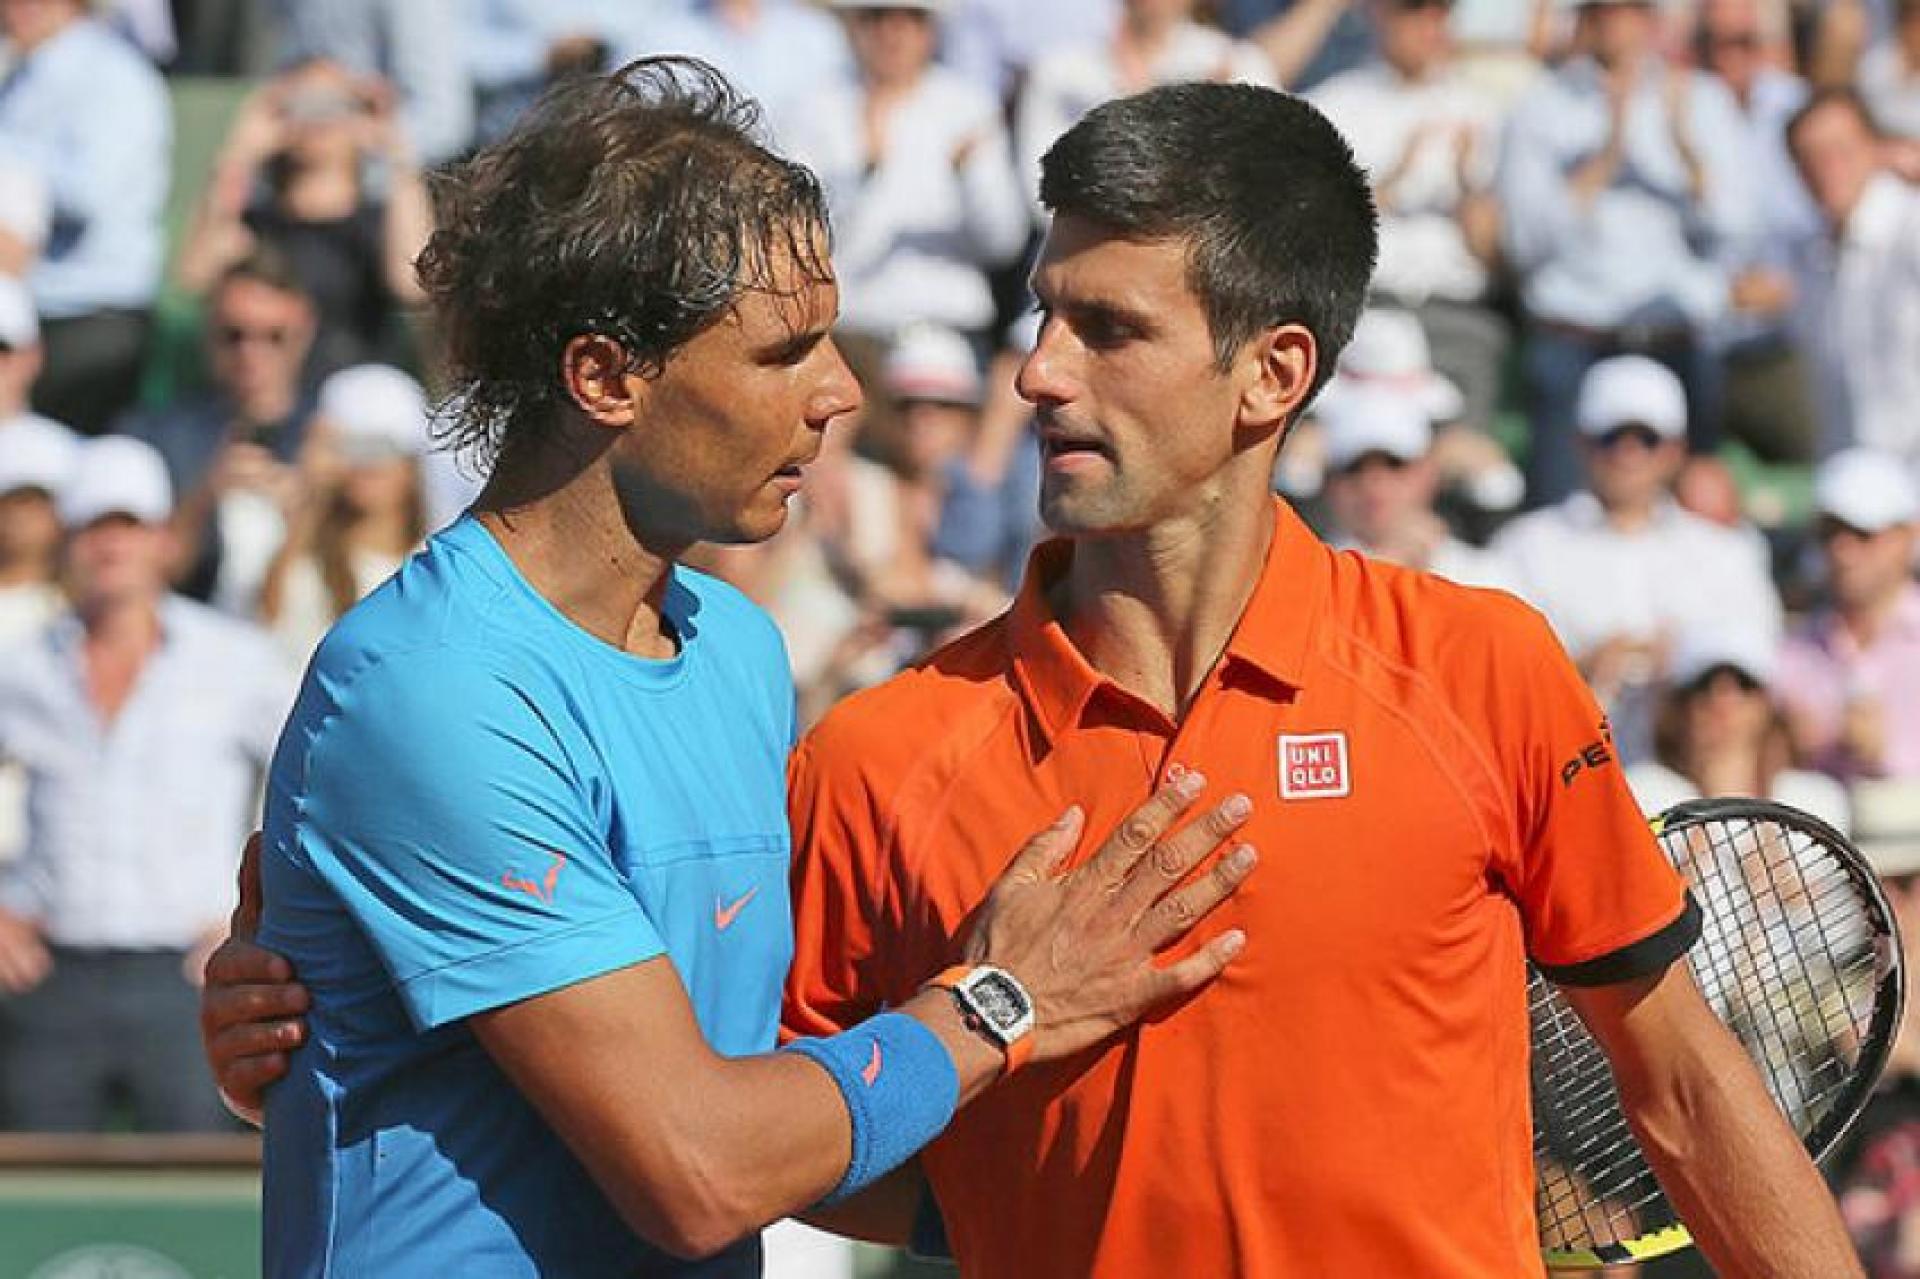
[993, 1003]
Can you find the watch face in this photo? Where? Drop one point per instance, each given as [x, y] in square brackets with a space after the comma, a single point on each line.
[999, 1000]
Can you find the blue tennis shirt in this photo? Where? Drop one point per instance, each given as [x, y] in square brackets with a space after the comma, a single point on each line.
[474, 802]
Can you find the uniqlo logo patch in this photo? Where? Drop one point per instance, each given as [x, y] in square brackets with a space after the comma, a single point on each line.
[1314, 766]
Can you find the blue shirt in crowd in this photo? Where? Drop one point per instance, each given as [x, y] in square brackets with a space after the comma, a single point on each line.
[476, 802]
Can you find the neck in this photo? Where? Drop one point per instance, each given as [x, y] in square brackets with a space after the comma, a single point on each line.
[1631, 517]
[1411, 72]
[265, 407]
[1866, 620]
[561, 522]
[1154, 610]
[1730, 770]
[26, 570]
[737, 13]
[124, 625]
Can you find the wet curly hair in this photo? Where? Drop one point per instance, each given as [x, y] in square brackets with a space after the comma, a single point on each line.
[638, 205]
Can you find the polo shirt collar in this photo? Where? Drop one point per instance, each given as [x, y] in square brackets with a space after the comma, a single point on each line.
[1274, 634]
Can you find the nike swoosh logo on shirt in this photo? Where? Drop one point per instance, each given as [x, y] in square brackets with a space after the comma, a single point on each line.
[724, 914]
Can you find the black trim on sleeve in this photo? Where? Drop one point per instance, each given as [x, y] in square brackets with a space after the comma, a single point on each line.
[1638, 959]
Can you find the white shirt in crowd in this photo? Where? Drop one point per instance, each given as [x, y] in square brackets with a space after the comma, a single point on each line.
[134, 827]
[1681, 573]
[1423, 252]
[1861, 319]
[914, 234]
[1066, 85]
[306, 605]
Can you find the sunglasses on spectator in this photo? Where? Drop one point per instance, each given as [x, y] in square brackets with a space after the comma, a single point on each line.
[1645, 436]
[274, 335]
[1738, 40]
[1419, 6]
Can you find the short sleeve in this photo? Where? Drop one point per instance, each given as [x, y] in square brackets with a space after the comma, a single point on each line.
[1600, 901]
[452, 816]
[836, 851]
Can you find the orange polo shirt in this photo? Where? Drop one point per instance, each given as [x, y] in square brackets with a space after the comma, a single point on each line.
[1434, 799]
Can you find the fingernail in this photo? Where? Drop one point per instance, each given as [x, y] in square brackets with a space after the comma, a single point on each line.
[1232, 943]
[1068, 818]
[1242, 858]
[1237, 807]
[1189, 784]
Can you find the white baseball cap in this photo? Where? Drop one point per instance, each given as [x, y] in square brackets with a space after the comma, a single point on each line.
[376, 412]
[116, 475]
[1629, 390]
[1886, 824]
[36, 453]
[19, 320]
[1363, 422]
[1389, 353]
[1865, 489]
[928, 362]
[1703, 650]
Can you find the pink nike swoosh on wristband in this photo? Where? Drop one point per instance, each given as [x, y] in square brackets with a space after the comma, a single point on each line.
[871, 1071]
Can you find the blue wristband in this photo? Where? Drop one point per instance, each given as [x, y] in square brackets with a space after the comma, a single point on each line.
[900, 1088]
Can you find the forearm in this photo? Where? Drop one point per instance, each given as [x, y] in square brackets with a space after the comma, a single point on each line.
[1292, 39]
[883, 1213]
[1728, 1160]
[708, 1148]
[409, 224]
[1743, 1185]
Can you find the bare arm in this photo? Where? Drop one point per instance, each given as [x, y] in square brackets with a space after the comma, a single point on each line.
[697, 1149]
[1723, 1153]
[1292, 39]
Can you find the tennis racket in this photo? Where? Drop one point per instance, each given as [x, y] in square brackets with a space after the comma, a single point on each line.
[1798, 955]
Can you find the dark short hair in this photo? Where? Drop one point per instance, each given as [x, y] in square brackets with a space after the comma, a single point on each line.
[268, 265]
[1836, 95]
[1278, 217]
[638, 205]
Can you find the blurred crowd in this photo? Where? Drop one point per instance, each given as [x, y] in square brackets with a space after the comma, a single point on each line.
[1644, 349]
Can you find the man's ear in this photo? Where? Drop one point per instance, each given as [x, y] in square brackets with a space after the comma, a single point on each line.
[597, 374]
[1285, 359]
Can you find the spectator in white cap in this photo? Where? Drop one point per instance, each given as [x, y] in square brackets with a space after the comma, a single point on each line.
[1381, 483]
[143, 722]
[1620, 568]
[365, 506]
[35, 459]
[1389, 352]
[1720, 733]
[1850, 675]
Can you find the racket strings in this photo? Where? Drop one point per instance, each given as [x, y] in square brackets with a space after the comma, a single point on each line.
[1787, 959]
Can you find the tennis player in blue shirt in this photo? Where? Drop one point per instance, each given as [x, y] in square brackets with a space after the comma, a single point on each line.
[525, 839]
